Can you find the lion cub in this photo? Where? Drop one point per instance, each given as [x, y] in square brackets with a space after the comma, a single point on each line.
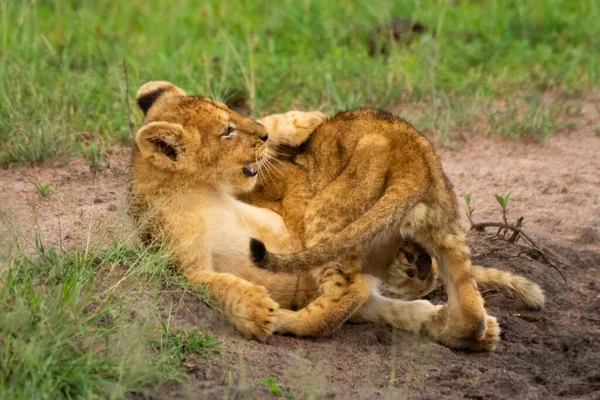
[372, 181]
[412, 273]
[192, 157]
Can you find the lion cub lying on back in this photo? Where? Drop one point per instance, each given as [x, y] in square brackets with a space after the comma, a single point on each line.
[192, 157]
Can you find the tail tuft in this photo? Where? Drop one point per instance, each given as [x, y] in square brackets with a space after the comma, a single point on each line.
[524, 290]
[258, 252]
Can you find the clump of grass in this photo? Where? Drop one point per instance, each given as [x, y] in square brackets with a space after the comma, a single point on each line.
[271, 384]
[532, 119]
[61, 337]
[43, 189]
[177, 344]
[95, 155]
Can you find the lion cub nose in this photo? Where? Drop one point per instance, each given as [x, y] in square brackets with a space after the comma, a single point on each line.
[264, 138]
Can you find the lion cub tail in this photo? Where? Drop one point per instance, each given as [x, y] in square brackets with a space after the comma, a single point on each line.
[530, 293]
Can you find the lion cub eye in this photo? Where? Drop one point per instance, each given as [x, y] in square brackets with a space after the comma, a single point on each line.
[228, 132]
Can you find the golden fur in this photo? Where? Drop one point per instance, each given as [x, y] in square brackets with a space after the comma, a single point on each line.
[368, 181]
[189, 163]
[184, 181]
[412, 272]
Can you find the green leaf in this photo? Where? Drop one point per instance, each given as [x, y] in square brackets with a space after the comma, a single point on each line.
[500, 200]
[468, 200]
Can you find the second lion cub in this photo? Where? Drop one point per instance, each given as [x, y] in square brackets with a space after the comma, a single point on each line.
[374, 181]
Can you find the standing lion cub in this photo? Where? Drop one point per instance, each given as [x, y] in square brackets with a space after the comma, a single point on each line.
[373, 181]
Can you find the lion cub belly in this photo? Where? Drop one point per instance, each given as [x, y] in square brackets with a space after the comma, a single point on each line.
[265, 225]
[228, 226]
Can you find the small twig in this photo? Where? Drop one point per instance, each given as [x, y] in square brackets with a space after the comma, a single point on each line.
[485, 254]
[519, 254]
[129, 121]
[515, 235]
[545, 254]
[499, 230]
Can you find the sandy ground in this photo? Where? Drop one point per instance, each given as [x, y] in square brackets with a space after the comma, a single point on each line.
[554, 353]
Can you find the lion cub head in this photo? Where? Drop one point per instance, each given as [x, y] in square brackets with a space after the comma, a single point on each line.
[191, 141]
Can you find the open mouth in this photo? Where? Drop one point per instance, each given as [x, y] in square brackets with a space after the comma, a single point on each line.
[250, 170]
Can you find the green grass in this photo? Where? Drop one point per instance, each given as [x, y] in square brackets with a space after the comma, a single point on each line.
[62, 83]
[67, 330]
[271, 384]
[43, 189]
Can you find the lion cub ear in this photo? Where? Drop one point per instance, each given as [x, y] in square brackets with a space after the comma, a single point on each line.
[149, 92]
[161, 143]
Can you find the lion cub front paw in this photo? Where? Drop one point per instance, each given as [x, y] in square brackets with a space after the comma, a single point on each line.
[292, 128]
[255, 314]
[302, 125]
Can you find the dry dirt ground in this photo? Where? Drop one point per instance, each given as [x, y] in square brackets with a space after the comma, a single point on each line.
[549, 354]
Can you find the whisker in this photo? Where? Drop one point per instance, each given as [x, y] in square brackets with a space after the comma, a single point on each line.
[262, 165]
[271, 166]
[270, 160]
[276, 152]
[268, 169]
[268, 180]
[277, 160]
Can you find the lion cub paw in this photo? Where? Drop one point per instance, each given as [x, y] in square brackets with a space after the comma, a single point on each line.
[255, 314]
[292, 128]
[484, 337]
[491, 337]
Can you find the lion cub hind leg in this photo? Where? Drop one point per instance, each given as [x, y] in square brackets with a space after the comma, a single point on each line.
[246, 305]
[416, 316]
[463, 323]
[343, 291]
[419, 317]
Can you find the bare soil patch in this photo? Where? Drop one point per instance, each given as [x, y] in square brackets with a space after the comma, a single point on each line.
[549, 354]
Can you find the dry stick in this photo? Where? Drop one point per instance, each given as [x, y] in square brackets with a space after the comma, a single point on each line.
[546, 255]
[129, 122]
[519, 254]
[485, 254]
[515, 235]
